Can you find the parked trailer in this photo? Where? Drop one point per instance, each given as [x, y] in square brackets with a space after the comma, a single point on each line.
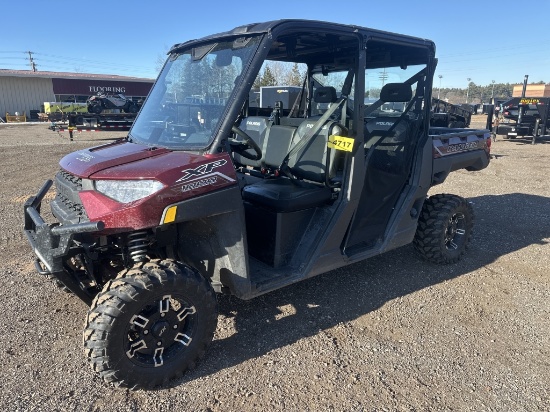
[99, 122]
[525, 116]
[445, 114]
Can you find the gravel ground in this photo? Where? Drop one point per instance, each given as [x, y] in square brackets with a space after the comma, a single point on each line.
[391, 333]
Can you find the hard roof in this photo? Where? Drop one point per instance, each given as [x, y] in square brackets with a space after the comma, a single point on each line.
[265, 27]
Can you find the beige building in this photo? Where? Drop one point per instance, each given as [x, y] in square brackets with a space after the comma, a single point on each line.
[533, 90]
[25, 91]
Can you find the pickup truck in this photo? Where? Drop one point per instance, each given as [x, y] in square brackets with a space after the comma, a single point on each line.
[245, 200]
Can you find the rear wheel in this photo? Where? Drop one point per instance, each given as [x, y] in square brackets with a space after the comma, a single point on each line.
[96, 108]
[444, 228]
[150, 325]
[132, 108]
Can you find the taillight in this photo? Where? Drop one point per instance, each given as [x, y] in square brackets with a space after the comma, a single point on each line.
[488, 145]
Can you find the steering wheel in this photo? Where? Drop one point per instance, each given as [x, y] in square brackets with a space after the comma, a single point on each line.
[241, 146]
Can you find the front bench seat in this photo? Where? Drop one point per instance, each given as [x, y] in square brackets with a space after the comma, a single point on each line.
[288, 195]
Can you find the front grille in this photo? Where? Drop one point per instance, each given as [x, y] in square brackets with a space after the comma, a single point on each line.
[72, 179]
[67, 206]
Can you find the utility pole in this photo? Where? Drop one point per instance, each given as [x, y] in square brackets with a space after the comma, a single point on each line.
[521, 106]
[439, 91]
[383, 76]
[31, 61]
[493, 93]
[468, 91]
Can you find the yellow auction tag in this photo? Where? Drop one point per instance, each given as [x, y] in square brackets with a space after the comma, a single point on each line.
[341, 143]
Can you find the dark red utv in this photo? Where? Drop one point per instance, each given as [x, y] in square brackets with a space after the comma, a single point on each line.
[209, 193]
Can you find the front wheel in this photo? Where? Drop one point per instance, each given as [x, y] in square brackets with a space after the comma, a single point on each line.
[444, 228]
[150, 325]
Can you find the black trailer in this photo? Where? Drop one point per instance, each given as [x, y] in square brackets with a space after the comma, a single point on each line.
[525, 116]
[99, 122]
[445, 114]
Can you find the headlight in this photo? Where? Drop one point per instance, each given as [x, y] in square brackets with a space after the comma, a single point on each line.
[126, 191]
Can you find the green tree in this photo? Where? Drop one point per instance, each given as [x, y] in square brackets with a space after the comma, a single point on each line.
[294, 77]
[268, 79]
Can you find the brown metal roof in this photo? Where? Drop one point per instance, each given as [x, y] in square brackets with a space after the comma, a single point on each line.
[66, 75]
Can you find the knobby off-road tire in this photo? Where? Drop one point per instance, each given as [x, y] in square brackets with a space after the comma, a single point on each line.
[150, 324]
[444, 228]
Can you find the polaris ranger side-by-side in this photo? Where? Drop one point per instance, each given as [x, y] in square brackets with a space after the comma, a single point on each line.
[209, 193]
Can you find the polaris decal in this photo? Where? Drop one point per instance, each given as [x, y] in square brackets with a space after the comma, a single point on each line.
[201, 170]
[310, 126]
[84, 157]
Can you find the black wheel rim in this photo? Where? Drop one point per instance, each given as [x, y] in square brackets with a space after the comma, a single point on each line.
[161, 332]
[455, 234]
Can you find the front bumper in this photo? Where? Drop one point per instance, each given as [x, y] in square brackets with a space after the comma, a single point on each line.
[53, 243]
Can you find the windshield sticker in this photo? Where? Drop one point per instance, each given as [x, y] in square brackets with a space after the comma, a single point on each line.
[201, 170]
[341, 143]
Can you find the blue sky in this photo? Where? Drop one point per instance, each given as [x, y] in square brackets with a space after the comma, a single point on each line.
[480, 40]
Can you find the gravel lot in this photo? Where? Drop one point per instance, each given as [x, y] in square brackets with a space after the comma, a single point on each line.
[390, 333]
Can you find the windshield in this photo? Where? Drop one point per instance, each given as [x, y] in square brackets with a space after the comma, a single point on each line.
[190, 96]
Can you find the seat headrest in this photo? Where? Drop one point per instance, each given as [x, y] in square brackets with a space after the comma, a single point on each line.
[253, 123]
[325, 95]
[396, 92]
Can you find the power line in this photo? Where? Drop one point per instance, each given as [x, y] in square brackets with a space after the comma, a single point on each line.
[534, 47]
[94, 62]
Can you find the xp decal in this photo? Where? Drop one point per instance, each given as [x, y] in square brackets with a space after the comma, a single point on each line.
[201, 170]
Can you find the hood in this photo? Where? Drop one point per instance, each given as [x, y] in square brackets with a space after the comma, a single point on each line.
[86, 162]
